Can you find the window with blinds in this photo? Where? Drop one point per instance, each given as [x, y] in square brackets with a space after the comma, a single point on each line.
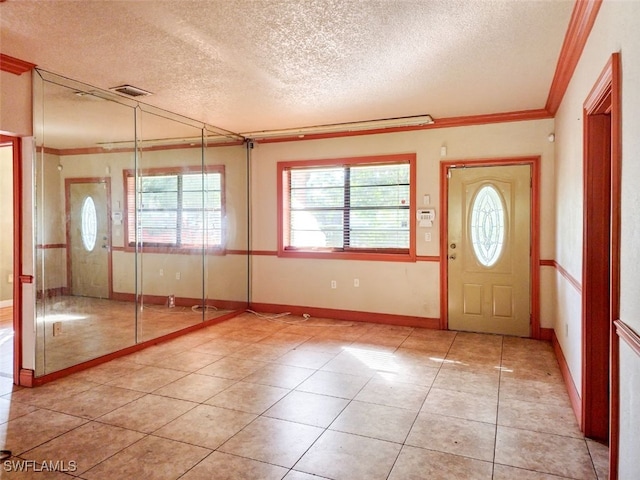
[356, 206]
[176, 209]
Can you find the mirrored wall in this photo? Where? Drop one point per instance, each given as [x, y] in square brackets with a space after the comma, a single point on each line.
[141, 222]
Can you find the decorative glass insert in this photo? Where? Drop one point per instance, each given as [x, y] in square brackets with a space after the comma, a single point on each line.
[89, 224]
[487, 225]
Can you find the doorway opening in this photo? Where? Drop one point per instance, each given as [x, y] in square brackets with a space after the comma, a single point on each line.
[500, 293]
[601, 260]
[6, 260]
[11, 248]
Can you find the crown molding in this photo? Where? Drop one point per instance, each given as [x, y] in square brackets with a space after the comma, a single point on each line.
[463, 121]
[582, 19]
[14, 65]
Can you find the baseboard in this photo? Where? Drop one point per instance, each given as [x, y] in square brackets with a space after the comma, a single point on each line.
[6, 303]
[181, 301]
[26, 378]
[350, 315]
[574, 395]
[546, 334]
[52, 292]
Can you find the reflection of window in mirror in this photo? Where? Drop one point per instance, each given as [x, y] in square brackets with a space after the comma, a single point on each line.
[178, 209]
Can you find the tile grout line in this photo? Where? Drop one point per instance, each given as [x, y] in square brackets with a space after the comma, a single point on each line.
[495, 435]
[327, 428]
[261, 415]
[404, 442]
[324, 430]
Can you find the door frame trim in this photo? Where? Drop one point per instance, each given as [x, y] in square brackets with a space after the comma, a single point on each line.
[16, 144]
[445, 166]
[67, 207]
[604, 98]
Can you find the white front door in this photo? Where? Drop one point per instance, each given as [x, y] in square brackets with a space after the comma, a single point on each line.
[489, 245]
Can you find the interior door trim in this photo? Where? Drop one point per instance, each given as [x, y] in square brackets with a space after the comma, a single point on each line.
[445, 166]
[604, 98]
[16, 144]
[67, 194]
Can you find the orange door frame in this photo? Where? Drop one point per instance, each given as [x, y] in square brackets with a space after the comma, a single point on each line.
[18, 278]
[601, 260]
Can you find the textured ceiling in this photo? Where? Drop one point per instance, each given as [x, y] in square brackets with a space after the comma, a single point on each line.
[249, 65]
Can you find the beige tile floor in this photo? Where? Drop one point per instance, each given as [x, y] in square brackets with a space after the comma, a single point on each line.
[258, 399]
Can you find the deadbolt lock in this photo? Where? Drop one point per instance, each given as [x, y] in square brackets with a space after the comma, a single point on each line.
[453, 246]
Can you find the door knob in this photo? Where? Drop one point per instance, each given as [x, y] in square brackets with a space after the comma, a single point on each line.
[452, 256]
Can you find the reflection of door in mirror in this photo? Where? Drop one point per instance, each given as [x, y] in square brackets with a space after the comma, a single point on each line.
[88, 238]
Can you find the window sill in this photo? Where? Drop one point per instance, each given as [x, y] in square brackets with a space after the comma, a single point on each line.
[368, 256]
[176, 250]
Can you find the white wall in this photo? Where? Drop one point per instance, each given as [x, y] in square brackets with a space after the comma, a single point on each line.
[28, 256]
[629, 464]
[16, 114]
[15, 104]
[51, 263]
[410, 289]
[615, 30]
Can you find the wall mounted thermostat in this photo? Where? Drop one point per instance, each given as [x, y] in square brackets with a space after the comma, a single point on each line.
[426, 217]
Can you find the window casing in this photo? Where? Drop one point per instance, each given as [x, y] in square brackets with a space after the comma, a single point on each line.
[177, 209]
[359, 208]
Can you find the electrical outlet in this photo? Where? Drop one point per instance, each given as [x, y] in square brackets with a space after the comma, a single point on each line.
[10, 278]
[356, 282]
[57, 329]
[427, 237]
[334, 284]
[177, 275]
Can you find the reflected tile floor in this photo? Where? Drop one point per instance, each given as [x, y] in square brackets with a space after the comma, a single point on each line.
[85, 319]
[259, 398]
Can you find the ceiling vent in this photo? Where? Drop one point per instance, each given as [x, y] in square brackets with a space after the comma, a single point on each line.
[130, 91]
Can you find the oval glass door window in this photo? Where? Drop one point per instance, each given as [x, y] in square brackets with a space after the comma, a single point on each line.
[89, 225]
[487, 225]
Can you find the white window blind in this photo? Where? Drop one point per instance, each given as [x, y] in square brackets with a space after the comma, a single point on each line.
[182, 210]
[348, 207]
